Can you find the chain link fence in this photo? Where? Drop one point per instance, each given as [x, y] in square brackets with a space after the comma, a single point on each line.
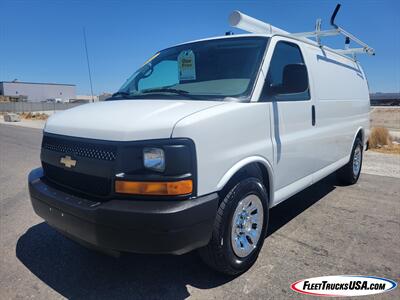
[19, 107]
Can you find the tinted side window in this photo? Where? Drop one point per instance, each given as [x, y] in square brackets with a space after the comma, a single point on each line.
[287, 75]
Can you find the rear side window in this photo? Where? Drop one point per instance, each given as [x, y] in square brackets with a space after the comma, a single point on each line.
[287, 78]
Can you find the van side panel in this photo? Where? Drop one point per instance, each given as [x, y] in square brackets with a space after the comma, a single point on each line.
[342, 104]
[224, 136]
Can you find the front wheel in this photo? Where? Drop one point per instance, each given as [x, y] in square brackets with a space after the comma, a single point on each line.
[239, 228]
[350, 173]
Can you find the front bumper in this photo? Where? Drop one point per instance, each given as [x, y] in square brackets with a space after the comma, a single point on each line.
[141, 226]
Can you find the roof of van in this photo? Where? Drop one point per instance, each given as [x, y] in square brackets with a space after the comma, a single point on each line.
[232, 36]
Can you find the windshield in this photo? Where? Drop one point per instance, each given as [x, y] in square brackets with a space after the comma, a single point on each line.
[221, 69]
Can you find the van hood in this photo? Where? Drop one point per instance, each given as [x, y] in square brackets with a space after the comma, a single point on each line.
[124, 120]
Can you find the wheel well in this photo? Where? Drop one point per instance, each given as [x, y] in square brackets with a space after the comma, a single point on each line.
[360, 134]
[255, 169]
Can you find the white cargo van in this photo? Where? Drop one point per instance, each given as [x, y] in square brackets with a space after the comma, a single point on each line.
[201, 141]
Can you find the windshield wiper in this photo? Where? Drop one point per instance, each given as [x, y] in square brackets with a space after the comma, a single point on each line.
[147, 93]
[165, 90]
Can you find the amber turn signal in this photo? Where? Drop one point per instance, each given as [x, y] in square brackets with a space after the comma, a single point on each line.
[173, 188]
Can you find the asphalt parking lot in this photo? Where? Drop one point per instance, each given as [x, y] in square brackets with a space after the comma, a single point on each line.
[325, 230]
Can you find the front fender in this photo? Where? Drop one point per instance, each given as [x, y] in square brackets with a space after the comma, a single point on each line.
[226, 138]
[244, 162]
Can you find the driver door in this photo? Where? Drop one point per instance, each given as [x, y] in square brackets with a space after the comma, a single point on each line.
[287, 88]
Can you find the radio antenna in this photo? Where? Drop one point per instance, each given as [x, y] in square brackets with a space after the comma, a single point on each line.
[88, 64]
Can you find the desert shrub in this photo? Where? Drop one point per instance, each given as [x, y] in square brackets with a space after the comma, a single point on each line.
[34, 116]
[379, 137]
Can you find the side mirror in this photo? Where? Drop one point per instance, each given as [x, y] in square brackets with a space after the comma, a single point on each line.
[295, 79]
[294, 85]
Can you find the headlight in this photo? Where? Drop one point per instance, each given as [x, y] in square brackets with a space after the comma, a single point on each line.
[154, 159]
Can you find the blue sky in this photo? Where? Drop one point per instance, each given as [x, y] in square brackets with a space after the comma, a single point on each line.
[42, 41]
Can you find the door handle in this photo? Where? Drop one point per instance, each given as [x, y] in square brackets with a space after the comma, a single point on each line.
[313, 115]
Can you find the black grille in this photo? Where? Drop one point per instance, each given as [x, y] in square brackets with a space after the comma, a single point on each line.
[79, 149]
[81, 182]
[95, 161]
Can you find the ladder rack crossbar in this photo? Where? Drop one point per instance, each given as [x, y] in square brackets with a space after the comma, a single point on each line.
[350, 51]
[367, 48]
[334, 32]
[316, 33]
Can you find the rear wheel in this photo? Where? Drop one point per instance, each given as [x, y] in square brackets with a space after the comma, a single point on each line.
[350, 173]
[239, 228]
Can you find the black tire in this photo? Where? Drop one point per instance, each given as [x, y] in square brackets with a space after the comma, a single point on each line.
[347, 175]
[219, 253]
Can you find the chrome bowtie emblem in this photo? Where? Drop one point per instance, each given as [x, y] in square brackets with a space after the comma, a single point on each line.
[68, 161]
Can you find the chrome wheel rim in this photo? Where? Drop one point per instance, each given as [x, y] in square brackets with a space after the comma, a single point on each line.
[357, 160]
[247, 225]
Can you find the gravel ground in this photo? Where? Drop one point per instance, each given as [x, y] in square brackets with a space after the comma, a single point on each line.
[325, 230]
[389, 117]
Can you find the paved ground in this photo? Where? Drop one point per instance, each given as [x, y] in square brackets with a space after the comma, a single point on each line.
[378, 164]
[325, 230]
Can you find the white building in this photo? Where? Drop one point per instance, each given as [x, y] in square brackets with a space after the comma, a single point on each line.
[38, 92]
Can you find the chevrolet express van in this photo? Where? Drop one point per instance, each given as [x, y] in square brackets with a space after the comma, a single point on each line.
[198, 145]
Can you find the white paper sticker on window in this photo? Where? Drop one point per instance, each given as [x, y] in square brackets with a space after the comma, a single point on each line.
[187, 65]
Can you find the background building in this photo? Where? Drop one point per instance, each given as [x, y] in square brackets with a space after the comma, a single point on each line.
[38, 92]
[86, 98]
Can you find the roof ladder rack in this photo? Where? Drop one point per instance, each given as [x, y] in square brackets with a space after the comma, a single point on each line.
[247, 23]
[337, 31]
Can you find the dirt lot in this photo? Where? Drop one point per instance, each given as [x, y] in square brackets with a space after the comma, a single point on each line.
[388, 117]
[326, 230]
